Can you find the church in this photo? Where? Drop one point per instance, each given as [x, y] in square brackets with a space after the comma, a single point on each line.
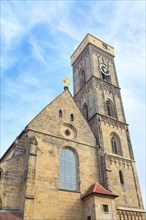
[74, 160]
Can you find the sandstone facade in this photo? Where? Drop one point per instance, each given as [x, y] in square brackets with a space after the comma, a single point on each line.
[30, 175]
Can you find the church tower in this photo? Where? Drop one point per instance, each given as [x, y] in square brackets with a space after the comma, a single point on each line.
[97, 94]
[74, 160]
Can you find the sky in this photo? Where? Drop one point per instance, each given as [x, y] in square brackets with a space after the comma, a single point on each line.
[37, 39]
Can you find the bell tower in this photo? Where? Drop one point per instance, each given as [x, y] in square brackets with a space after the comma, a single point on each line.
[97, 94]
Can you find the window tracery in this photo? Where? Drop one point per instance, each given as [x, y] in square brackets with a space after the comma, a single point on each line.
[68, 170]
[116, 144]
[110, 108]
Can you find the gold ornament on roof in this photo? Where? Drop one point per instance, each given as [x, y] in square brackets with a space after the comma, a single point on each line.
[66, 82]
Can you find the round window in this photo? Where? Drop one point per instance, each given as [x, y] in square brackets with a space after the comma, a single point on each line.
[67, 132]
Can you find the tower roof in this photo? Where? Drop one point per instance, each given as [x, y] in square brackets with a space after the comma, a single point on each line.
[99, 190]
[90, 39]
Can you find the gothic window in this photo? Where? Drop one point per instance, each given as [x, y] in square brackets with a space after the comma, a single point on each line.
[106, 78]
[116, 144]
[85, 111]
[121, 177]
[60, 113]
[110, 108]
[82, 78]
[72, 117]
[68, 170]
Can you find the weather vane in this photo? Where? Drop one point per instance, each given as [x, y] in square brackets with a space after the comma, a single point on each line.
[66, 83]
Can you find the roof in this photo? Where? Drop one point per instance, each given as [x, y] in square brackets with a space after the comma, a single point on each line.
[66, 97]
[10, 215]
[99, 190]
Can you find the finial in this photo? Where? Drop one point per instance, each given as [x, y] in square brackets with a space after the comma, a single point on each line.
[66, 83]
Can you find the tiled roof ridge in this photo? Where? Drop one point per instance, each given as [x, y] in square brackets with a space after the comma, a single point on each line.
[96, 188]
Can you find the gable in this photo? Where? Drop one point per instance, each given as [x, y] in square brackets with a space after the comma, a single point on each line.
[56, 120]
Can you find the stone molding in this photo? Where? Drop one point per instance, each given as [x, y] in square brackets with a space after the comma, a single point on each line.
[103, 85]
[53, 138]
[120, 161]
[119, 157]
[113, 122]
[102, 53]
[117, 160]
[130, 214]
[123, 208]
[99, 83]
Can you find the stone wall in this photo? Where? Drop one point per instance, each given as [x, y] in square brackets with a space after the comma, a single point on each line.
[93, 207]
[14, 171]
[43, 187]
[56, 203]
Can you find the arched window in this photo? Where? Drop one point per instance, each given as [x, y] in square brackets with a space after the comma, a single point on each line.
[68, 170]
[85, 111]
[60, 113]
[110, 109]
[72, 117]
[106, 78]
[116, 144]
[82, 78]
[121, 177]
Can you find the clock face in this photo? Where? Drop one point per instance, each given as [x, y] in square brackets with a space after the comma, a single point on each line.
[104, 69]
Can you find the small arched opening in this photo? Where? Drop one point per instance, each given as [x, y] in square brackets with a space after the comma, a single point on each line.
[121, 177]
[85, 111]
[72, 117]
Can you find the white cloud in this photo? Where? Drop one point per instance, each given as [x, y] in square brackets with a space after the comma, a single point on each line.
[10, 30]
[29, 78]
[38, 51]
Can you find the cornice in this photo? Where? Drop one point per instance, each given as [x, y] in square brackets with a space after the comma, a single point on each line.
[99, 83]
[118, 157]
[110, 121]
[123, 208]
[113, 122]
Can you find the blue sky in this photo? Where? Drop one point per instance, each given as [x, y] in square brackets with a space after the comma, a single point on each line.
[37, 40]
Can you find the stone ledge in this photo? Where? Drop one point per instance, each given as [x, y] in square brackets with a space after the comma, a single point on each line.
[119, 157]
[113, 122]
[123, 208]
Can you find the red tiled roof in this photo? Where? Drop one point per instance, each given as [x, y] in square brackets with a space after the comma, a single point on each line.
[98, 189]
[10, 215]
